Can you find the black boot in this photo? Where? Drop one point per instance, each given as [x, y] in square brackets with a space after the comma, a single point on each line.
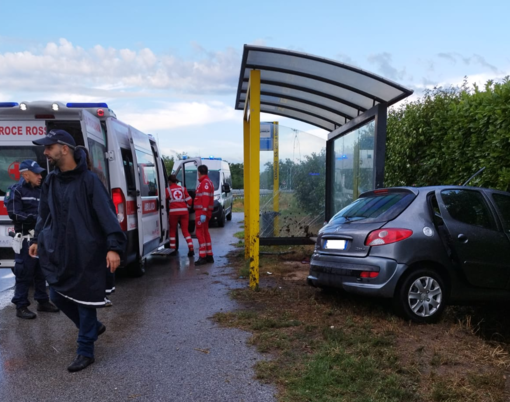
[209, 258]
[191, 253]
[24, 312]
[47, 306]
[201, 261]
[80, 363]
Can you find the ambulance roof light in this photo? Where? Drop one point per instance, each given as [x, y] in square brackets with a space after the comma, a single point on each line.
[87, 104]
[211, 158]
[8, 104]
[23, 106]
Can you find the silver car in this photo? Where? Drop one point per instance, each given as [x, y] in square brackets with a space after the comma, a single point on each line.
[422, 247]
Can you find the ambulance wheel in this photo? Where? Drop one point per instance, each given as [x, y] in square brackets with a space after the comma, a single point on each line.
[229, 216]
[221, 219]
[137, 267]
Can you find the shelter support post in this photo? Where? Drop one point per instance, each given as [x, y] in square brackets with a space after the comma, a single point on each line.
[276, 180]
[252, 127]
[246, 179]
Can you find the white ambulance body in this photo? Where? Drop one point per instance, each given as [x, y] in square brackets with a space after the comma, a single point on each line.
[126, 160]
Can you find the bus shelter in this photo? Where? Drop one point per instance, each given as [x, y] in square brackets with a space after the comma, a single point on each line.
[350, 103]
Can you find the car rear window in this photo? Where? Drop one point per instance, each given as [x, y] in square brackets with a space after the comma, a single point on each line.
[375, 208]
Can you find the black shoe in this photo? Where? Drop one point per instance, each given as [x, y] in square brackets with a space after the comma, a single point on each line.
[209, 258]
[173, 253]
[80, 363]
[101, 330]
[191, 253]
[107, 302]
[201, 261]
[24, 312]
[47, 306]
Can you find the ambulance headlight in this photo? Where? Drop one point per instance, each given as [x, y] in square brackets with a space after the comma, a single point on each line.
[23, 106]
[54, 107]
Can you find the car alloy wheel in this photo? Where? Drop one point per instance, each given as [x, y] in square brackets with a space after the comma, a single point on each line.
[422, 296]
[425, 296]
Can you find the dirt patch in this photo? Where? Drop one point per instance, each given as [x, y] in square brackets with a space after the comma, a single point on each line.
[464, 357]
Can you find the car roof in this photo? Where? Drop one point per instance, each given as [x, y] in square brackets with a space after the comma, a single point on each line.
[417, 190]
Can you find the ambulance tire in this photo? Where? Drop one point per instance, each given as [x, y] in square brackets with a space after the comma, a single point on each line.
[229, 215]
[221, 219]
[137, 268]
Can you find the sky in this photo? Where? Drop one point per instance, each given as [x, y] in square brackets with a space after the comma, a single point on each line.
[171, 68]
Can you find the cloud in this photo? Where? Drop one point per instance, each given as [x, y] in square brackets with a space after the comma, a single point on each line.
[169, 116]
[63, 67]
[343, 58]
[475, 59]
[383, 62]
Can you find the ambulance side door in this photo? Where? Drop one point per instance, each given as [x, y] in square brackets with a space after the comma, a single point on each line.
[147, 193]
[163, 183]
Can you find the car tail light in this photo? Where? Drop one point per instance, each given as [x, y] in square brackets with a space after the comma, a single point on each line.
[368, 274]
[381, 237]
[120, 207]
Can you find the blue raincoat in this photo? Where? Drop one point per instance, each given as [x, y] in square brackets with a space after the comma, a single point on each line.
[76, 227]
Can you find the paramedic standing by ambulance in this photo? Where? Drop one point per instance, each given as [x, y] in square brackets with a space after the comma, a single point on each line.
[179, 202]
[204, 205]
[22, 207]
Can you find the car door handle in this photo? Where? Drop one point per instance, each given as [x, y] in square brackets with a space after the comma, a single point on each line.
[462, 238]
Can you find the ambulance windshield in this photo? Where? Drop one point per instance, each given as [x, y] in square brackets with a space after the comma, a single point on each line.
[11, 157]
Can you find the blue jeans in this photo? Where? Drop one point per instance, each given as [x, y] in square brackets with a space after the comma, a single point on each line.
[28, 272]
[85, 319]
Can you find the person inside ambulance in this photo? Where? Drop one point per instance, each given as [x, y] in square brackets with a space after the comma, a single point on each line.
[179, 201]
[22, 205]
[204, 205]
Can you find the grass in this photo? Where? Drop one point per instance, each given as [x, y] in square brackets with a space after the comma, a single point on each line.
[332, 346]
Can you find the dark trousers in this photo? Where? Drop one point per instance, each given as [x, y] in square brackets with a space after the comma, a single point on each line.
[85, 319]
[28, 272]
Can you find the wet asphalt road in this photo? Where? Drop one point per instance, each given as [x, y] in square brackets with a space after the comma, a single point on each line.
[160, 344]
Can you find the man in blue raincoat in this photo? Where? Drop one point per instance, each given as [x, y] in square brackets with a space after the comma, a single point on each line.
[22, 203]
[77, 237]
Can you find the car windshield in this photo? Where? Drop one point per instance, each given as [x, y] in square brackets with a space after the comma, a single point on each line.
[374, 208]
[11, 157]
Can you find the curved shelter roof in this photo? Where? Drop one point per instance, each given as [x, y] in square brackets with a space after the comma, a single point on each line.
[318, 91]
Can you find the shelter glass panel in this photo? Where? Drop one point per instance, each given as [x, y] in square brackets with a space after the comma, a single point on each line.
[300, 185]
[354, 165]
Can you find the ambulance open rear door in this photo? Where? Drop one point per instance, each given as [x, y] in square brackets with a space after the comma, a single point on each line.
[96, 145]
[147, 194]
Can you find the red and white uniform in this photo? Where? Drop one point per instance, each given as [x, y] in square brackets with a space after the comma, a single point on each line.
[204, 205]
[179, 202]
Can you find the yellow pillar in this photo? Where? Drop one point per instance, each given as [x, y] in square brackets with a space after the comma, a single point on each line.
[254, 175]
[276, 180]
[246, 179]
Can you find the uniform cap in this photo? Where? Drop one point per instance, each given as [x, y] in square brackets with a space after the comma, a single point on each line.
[33, 166]
[57, 137]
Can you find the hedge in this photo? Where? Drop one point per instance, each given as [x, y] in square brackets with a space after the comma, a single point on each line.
[448, 135]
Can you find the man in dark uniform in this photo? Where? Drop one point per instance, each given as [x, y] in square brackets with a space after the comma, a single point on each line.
[77, 237]
[22, 209]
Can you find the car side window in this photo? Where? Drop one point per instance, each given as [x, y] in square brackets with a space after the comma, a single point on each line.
[469, 207]
[503, 204]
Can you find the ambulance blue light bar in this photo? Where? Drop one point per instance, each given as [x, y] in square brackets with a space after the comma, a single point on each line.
[87, 104]
[212, 159]
[8, 104]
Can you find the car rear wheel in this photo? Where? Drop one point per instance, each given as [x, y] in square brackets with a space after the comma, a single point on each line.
[229, 215]
[221, 219]
[422, 296]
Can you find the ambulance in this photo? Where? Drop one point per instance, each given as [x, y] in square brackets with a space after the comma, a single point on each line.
[219, 173]
[127, 161]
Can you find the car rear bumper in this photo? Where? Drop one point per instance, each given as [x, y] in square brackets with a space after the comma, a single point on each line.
[344, 273]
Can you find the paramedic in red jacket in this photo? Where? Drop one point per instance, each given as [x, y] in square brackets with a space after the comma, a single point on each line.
[204, 205]
[179, 202]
